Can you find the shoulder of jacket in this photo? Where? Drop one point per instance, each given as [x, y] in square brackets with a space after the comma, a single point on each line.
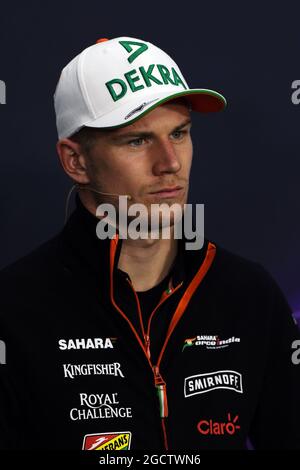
[33, 264]
[241, 269]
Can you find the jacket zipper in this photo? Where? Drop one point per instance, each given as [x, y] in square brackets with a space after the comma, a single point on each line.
[162, 300]
[159, 383]
[171, 291]
[158, 380]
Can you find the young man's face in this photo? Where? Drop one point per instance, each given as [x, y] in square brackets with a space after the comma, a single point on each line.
[147, 156]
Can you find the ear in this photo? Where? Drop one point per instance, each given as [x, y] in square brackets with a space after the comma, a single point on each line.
[72, 160]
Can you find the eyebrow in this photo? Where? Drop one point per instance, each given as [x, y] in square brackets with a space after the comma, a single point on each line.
[143, 134]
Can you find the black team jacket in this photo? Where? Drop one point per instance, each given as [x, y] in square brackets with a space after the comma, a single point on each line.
[85, 369]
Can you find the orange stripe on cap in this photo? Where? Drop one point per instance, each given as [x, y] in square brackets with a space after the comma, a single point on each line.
[101, 40]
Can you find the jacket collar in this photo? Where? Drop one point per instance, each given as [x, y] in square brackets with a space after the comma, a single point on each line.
[83, 253]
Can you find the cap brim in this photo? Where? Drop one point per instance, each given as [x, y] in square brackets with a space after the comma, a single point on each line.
[201, 100]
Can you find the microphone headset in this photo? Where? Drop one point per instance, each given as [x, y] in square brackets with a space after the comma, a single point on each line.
[81, 187]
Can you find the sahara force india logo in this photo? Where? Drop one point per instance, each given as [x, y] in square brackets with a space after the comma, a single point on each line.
[203, 383]
[210, 341]
[107, 441]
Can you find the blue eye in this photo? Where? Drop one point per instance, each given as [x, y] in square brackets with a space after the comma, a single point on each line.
[135, 141]
[179, 134]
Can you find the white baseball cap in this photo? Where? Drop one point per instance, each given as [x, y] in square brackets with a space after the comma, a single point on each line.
[117, 81]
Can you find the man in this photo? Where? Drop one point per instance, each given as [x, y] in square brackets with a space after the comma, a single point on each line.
[140, 343]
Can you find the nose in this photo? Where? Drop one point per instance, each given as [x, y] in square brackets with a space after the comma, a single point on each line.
[166, 159]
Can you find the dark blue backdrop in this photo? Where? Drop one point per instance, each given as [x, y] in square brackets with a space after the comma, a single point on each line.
[246, 159]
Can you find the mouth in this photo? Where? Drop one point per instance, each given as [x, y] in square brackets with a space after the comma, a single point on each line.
[168, 192]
